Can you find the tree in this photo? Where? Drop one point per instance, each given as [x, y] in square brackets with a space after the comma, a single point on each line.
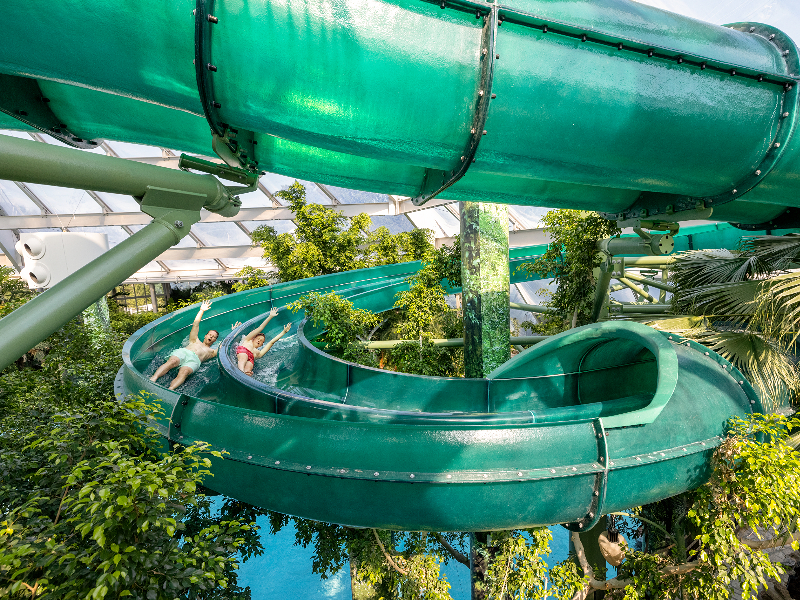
[87, 508]
[754, 486]
[570, 258]
[325, 242]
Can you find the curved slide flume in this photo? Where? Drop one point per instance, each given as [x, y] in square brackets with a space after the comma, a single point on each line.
[594, 420]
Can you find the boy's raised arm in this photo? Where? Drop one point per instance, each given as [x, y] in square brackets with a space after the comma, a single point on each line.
[262, 351]
[260, 328]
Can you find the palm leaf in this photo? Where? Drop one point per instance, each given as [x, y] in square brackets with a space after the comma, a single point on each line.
[778, 252]
[734, 302]
[696, 268]
[763, 360]
[778, 310]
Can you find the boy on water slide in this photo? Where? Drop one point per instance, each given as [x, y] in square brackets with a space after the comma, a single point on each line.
[190, 357]
[250, 347]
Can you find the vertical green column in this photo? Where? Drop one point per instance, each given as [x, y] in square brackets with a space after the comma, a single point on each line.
[485, 287]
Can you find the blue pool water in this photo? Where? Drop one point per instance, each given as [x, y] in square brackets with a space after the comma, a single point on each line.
[284, 570]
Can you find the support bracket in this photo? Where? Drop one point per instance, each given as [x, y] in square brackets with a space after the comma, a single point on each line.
[436, 181]
[21, 98]
[595, 512]
[235, 146]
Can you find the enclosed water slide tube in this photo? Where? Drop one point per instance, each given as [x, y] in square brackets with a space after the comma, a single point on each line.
[597, 419]
[605, 105]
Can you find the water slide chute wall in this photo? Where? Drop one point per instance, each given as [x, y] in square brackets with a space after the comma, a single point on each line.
[597, 419]
[653, 113]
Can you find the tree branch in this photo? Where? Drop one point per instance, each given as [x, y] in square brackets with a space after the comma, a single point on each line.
[386, 554]
[615, 584]
[776, 542]
[455, 553]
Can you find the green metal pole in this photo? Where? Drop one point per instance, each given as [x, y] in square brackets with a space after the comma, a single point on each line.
[173, 197]
[34, 162]
[485, 287]
[45, 314]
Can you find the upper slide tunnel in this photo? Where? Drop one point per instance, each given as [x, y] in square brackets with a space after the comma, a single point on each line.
[606, 105]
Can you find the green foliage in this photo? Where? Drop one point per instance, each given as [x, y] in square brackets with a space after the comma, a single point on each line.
[424, 303]
[516, 568]
[325, 242]
[126, 323]
[252, 277]
[570, 258]
[13, 292]
[89, 512]
[755, 485]
[344, 325]
[749, 308]
[87, 509]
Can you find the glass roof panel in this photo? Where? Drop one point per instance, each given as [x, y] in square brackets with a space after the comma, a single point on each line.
[275, 183]
[256, 199]
[530, 215]
[221, 234]
[346, 196]
[280, 226]
[119, 203]
[15, 133]
[438, 218]
[195, 264]
[13, 200]
[126, 150]
[39, 230]
[115, 234]
[395, 224]
[238, 263]
[64, 201]
[186, 242]
[151, 267]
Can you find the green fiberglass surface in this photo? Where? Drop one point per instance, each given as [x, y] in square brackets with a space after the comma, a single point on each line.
[597, 419]
[606, 105]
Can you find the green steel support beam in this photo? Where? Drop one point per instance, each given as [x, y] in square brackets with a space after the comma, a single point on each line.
[542, 310]
[173, 198]
[34, 162]
[485, 287]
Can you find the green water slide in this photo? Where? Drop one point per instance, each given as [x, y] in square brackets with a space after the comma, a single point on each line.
[594, 420]
[600, 104]
[606, 105]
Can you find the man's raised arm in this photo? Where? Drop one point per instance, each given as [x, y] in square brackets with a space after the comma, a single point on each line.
[196, 325]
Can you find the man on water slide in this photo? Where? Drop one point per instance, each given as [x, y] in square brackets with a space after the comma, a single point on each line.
[190, 357]
[250, 347]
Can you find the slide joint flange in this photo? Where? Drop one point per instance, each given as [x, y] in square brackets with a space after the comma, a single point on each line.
[21, 98]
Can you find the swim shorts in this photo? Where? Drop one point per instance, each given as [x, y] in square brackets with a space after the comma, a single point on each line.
[187, 358]
[246, 350]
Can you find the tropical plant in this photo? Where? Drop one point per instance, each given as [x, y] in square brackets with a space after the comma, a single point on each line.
[88, 509]
[704, 548]
[324, 241]
[750, 308]
[570, 258]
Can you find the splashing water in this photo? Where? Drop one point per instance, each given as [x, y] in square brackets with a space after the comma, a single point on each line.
[282, 356]
[207, 374]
